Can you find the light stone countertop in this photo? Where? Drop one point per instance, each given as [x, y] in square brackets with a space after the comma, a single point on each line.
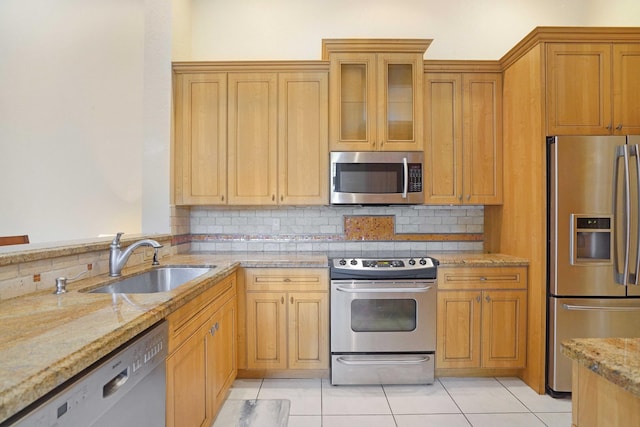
[46, 339]
[615, 359]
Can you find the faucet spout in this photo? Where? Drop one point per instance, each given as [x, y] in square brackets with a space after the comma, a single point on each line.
[118, 258]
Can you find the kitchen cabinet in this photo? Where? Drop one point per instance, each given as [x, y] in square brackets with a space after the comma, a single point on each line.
[253, 137]
[481, 317]
[463, 138]
[201, 365]
[287, 319]
[251, 134]
[592, 88]
[376, 94]
[200, 156]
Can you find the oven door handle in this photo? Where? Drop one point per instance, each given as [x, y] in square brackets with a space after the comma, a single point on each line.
[383, 290]
[378, 361]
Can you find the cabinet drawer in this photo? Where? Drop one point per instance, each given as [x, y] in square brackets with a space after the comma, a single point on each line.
[482, 278]
[186, 320]
[286, 279]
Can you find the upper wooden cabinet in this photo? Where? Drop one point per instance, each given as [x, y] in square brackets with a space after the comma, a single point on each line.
[463, 138]
[200, 156]
[253, 137]
[251, 134]
[592, 88]
[376, 94]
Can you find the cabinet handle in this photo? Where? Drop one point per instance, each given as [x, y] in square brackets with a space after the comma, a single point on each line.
[468, 197]
[619, 127]
[273, 197]
[483, 278]
[281, 198]
[281, 300]
[487, 298]
[286, 279]
[609, 126]
[478, 299]
[291, 300]
[222, 198]
[214, 328]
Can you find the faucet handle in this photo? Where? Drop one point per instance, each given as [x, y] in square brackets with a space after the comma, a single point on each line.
[116, 240]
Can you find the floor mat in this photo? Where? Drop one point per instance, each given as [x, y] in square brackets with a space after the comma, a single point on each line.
[253, 413]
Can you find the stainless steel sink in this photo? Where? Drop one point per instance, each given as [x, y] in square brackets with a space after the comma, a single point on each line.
[161, 279]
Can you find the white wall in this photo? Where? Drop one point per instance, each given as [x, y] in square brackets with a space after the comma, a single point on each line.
[77, 79]
[461, 29]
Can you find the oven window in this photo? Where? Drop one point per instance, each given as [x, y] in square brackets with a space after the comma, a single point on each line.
[383, 315]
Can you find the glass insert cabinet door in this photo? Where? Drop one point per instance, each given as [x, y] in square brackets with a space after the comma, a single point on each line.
[376, 99]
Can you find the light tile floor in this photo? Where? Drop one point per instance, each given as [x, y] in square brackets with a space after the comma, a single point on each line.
[449, 402]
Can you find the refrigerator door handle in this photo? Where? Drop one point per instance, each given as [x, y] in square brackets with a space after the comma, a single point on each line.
[621, 151]
[635, 152]
[597, 308]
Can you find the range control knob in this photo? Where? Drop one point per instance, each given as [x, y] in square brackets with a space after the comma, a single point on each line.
[354, 262]
[412, 261]
[342, 262]
[423, 261]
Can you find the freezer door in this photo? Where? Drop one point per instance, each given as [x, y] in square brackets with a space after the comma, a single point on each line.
[583, 255]
[585, 318]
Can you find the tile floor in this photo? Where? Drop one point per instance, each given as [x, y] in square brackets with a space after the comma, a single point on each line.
[449, 402]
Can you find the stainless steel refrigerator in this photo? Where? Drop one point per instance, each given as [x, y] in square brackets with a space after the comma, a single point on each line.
[593, 245]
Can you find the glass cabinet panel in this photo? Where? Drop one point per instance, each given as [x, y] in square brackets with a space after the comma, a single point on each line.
[353, 90]
[400, 102]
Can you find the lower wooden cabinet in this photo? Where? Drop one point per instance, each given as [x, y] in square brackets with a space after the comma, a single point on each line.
[201, 365]
[482, 317]
[287, 323]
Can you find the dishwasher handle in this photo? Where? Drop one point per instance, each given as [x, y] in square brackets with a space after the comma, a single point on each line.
[114, 384]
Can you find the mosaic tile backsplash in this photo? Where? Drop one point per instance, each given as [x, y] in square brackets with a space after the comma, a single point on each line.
[337, 228]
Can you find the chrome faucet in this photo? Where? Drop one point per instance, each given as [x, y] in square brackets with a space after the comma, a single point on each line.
[118, 258]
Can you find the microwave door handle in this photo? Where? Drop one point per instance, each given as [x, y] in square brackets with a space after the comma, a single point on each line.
[405, 189]
[333, 177]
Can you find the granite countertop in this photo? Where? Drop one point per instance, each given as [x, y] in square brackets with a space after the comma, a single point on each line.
[615, 359]
[46, 339]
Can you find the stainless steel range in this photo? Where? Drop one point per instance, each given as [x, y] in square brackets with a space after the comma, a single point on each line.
[383, 320]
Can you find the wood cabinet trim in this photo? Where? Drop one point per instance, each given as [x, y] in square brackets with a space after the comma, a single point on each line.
[330, 46]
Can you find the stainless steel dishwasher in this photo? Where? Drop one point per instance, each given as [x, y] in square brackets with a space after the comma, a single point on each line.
[124, 389]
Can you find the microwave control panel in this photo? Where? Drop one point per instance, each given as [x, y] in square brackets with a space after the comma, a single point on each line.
[415, 178]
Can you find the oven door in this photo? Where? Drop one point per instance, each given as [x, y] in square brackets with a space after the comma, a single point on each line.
[383, 316]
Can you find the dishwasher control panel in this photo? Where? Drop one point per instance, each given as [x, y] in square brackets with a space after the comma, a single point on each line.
[80, 401]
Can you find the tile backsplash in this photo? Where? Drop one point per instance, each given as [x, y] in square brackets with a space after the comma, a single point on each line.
[322, 228]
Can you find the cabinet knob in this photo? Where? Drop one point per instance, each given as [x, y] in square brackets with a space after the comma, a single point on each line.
[487, 298]
[619, 127]
[273, 197]
[460, 198]
[281, 198]
[609, 126]
[281, 300]
[468, 197]
[478, 299]
[291, 300]
[222, 198]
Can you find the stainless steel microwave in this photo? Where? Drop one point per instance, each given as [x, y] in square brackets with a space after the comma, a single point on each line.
[376, 178]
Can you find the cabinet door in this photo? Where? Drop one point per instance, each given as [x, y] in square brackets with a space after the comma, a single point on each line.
[353, 102]
[458, 329]
[443, 141]
[187, 391]
[253, 138]
[504, 328]
[201, 139]
[578, 89]
[482, 139]
[221, 352]
[399, 102]
[266, 330]
[626, 88]
[308, 330]
[303, 152]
